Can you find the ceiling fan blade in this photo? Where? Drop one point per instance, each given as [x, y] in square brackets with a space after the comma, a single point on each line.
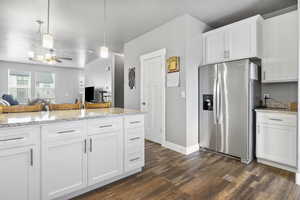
[58, 60]
[65, 58]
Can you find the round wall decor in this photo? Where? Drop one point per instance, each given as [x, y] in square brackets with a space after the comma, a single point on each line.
[131, 78]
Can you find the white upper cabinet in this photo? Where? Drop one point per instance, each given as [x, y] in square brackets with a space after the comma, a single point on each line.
[236, 41]
[280, 48]
[214, 44]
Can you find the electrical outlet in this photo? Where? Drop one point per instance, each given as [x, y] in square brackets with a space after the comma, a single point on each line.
[266, 96]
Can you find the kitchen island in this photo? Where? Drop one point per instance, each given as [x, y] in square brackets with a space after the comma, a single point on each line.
[62, 154]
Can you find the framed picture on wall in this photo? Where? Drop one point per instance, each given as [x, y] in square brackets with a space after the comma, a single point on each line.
[173, 64]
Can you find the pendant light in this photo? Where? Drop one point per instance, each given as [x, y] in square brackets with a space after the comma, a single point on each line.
[48, 40]
[104, 51]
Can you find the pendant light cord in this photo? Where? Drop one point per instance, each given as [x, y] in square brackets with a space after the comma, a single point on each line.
[48, 18]
[104, 18]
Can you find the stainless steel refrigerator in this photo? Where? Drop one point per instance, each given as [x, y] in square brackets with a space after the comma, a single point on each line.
[228, 94]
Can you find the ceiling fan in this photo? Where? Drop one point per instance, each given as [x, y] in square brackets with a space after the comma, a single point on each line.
[45, 52]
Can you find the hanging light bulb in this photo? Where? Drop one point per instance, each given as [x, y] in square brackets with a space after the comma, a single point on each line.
[104, 51]
[31, 54]
[48, 40]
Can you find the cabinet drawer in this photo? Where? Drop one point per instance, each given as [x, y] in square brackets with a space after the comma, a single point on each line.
[63, 130]
[135, 144]
[97, 126]
[134, 121]
[134, 161]
[19, 136]
[278, 119]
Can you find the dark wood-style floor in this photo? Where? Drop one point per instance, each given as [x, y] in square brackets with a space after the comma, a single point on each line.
[202, 175]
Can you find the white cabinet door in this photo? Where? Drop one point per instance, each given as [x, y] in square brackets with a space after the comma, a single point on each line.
[277, 144]
[238, 41]
[280, 48]
[105, 157]
[214, 47]
[64, 165]
[19, 172]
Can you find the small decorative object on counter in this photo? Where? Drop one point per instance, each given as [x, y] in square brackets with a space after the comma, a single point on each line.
[64, 107]
[98, 105]
[173, 64]
[21, 108]
[131, 78]
[293, 106]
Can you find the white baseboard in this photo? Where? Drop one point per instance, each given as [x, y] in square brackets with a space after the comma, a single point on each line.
[96, 186]
[192, 149]
[181, 149]
[297, 177]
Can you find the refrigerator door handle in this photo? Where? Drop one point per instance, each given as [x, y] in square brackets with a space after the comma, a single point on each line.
[215, 95]
[218, 101]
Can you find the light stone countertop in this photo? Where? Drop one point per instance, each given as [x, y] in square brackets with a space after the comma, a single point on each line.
[37, 118]
[276, 110]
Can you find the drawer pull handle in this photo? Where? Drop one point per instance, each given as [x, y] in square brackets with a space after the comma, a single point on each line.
[135, 122]
[279, 120]
[134, 159]
[135, 138]
[31, 157]
[106, 126]
[85, 146]
[64, 132]
[91, 145]
[12, 139]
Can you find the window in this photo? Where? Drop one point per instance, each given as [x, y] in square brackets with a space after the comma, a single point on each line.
[19, 85]
[45, 86]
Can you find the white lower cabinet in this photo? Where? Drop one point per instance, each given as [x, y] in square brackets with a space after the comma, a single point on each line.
[105, 156]
[276, 140]
[18, 171]
[19, 163]
[278, 144]
[134, 142]
[64, 160]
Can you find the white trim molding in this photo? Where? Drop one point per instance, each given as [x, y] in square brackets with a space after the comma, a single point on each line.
[181, 149]
[159, 53]
[297, 177]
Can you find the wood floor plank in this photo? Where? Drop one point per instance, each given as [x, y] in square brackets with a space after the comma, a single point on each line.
[169, 175]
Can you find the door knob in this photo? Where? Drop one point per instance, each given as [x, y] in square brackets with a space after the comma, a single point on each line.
[143, 103]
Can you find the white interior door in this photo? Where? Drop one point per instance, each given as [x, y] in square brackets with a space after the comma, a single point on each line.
[152, 94]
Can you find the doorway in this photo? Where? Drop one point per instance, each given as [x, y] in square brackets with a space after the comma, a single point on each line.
[153, 94]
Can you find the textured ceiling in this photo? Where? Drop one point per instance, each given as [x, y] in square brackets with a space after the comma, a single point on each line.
[78, 24]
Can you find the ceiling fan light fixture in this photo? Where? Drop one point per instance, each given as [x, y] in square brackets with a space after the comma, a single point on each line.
[31, 54]
[104, 52]
[48, 41]
[48, 56]
[40, 57]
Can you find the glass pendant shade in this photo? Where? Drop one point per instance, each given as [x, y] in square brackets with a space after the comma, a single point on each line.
[48, 41]
[31, 54]
[104, 53]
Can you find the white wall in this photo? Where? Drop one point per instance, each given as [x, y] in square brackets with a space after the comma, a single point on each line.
[67, 79]
[181, 37]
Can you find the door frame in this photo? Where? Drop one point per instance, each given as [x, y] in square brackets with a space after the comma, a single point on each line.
[158, 53]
